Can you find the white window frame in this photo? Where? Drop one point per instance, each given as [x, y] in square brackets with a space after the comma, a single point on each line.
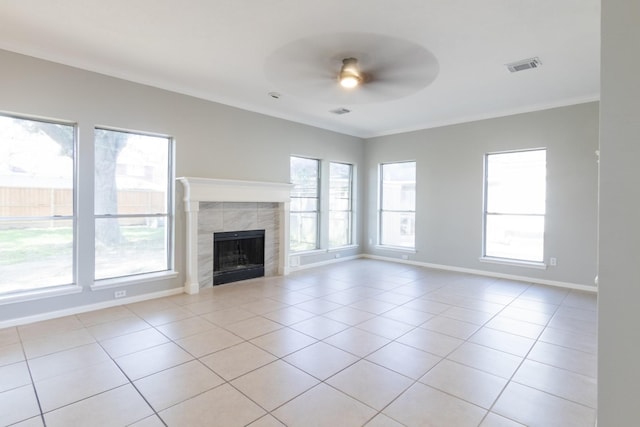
[317, 211]
[61, 289]
[169, 218]
[349, 211]
[505, 260]
[382, 211]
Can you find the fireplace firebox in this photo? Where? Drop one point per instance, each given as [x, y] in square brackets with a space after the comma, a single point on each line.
[237, 255]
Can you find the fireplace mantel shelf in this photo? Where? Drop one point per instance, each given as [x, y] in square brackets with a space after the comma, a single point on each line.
[198, 190]
[227, 190]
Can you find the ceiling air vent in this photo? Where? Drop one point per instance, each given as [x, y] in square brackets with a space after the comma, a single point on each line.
[525, 64]
[340, 111]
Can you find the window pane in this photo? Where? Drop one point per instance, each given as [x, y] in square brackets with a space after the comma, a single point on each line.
[339, 229]
[303, 231]
[340, 201]
[340, 204]
[518, 237]
[305, 204]
[126, 246]
[398, 204]
[35, 254]
[36, 168]
[36, 204]
[515, 205]
[399, 196]
[399, 186]
[131, 173]
[516, 182]
[131, 184]
[304, 176]
[339, 186]
[398, 229]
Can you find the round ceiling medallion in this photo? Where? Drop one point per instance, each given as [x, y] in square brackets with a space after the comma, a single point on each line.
[391, 68]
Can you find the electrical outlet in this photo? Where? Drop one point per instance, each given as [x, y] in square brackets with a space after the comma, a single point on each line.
[405, 256]
[120, 294]
[338, 255]
[370, 241]
[553, 261]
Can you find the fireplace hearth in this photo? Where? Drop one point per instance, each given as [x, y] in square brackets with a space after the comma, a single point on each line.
[238, 255]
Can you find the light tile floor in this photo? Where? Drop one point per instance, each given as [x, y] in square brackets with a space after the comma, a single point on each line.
[357, 343]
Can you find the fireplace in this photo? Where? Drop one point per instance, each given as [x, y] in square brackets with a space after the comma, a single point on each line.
[203, 198]
[237, 255]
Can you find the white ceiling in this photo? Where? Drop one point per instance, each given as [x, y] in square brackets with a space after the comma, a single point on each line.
[219, 50]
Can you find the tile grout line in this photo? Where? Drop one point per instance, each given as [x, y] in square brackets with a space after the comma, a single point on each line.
[257, 297]
[33, 383]
[524, 359]
[445, 358]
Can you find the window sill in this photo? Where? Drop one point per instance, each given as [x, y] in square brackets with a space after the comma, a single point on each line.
[40, 294]
[515, 263]
[132, 280]
[396, 249]
[343, 248]
[309, 252]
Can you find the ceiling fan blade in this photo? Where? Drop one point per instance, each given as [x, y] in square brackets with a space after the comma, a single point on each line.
[392, 67]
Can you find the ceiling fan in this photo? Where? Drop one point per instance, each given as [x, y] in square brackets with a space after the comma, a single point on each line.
[351, 68]
[350, 75]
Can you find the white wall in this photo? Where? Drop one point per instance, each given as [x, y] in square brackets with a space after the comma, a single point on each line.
[449, 188]
[212, 140]
[619, 233]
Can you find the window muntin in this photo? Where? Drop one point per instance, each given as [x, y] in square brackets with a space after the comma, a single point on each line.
[515, 203]
[397, 213]
[37, 204]
[133, 193]
[305, 204]
[340, 204]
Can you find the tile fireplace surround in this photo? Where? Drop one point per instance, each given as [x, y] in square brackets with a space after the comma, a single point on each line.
[229, 205]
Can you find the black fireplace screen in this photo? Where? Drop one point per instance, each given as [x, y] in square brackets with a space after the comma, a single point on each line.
[237, 255]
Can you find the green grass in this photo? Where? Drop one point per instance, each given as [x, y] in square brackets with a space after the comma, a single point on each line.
[19, 245]
[133, 234]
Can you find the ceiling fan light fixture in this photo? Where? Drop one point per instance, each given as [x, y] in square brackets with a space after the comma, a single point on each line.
[349, 76]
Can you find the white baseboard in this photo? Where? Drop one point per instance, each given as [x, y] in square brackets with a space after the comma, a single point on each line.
[175, 291]
[90, 307]
[556, 283]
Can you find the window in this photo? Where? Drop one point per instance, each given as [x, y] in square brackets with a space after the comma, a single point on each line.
[133, 192]
[397, 214]
[305, 204]
[37, 209]
[340, 204]
[515, 191]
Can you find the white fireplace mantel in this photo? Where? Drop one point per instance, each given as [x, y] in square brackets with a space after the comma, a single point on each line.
[198, 190]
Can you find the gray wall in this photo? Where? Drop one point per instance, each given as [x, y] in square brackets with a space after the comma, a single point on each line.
[619, 234]
[449, 187]
[218, 141]
[212, 140]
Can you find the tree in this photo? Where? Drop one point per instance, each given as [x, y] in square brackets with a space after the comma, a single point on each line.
[108, 145]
